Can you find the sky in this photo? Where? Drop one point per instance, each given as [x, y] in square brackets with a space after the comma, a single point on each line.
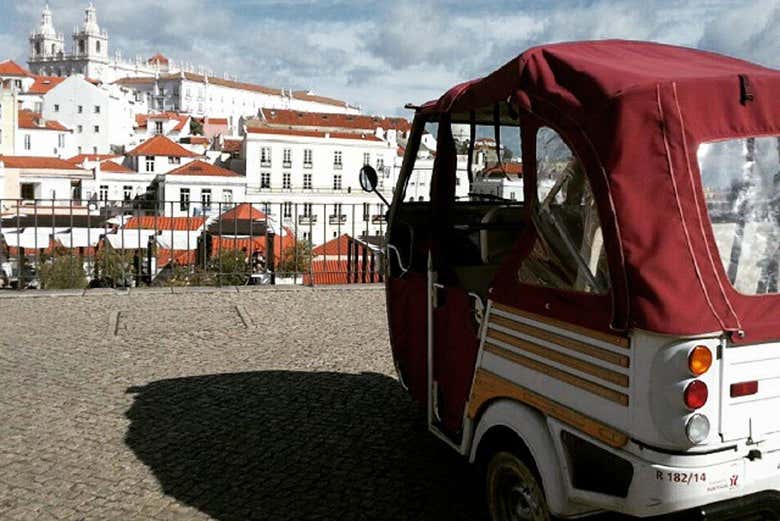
[384, 55]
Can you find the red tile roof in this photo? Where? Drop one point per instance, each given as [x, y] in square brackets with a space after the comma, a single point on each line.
[180, 257]
[231, 145]
[506, 169]
[252, 245]
[338, 272]
[161, 146]
[198, 167]
[294, 118]
[51, 163]
[158, 58]
[244, 212]
[44, 84]
[337, 246]
[312, 133]
[11, 68]
[151, 222]
[79, 159]
[198, 140]
[215, 121]
[33, 121]
[110, 166]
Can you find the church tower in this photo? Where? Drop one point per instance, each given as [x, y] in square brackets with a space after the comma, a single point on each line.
[90, 45]
[45, 43]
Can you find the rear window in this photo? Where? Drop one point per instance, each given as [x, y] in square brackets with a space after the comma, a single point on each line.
[741, 179]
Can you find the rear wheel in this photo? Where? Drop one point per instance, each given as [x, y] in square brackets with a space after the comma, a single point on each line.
[513, 490]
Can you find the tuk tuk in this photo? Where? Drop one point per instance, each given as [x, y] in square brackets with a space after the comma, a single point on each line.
[610, 341]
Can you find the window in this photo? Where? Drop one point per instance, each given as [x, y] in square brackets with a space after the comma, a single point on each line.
[307, 158]
[97, 109]
[307, 209]
[366, 211]
[127, 192]
[78, 149]
[205, 198]
[227, 195]
[742, 191]
[27, 191]
[80, 109]
[265, 156]
[79, 129]
[97, 46]
[184, 199]
[61, 140]
[380, 163]
[174, 160]
[337, 159]
[96, 129]
[287, 209]
[103, 193]
[569, 251]
[337, 181]
[307, 181]
[366, 158]
[337, 210]
[265, 179]
[94, 150]
[56, 108]
[150, 163]
[27, 142]
[286, 181]
[158, 127]
[287, 158]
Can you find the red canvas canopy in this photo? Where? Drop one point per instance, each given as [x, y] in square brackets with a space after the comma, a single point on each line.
[634, 114]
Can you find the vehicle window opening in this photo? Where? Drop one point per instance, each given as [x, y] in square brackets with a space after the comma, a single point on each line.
[741, 182]
[569, 251]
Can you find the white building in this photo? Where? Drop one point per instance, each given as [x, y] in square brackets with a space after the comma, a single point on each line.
[170, 124]
[199, 188]
[158, 155]
[201, 95]
[36, 136]
[88, 56]
[500, 180]
[101, 117]
[111, 180]
[44, 178]
[305, 167]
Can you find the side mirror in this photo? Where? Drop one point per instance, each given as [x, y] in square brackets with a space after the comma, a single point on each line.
[368, 178]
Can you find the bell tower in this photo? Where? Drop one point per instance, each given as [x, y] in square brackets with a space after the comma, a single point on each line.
[90, 43]
[45, 43]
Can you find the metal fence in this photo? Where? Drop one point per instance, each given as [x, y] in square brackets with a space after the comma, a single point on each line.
[56, 244]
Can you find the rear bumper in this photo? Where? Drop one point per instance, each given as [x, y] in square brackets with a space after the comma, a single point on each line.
[761, 506]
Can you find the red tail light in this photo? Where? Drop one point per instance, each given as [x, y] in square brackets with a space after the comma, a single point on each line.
[696, 394]
[744, 389]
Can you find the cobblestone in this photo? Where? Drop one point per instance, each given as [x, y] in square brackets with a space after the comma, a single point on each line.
[183, 409]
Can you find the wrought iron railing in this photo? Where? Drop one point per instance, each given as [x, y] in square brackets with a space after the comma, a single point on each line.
[55, 244]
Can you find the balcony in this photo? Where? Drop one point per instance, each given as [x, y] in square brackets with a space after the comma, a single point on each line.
[305, 220]
[337, 219]
[266, 163]
[307, 165]
[338, 166]
[378, 218]
[287, 164]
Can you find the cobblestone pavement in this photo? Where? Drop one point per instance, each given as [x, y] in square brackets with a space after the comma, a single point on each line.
[270, 404]
[228, 406]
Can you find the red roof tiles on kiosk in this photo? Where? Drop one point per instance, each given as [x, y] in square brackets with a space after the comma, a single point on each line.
[151, 222]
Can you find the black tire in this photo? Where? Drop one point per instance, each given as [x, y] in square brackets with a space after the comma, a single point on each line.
[513, 491]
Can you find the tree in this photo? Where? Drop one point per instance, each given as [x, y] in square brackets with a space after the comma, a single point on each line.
[296, 258]
[62, 271]
[113, 268]
[231, 267]
[196, 128]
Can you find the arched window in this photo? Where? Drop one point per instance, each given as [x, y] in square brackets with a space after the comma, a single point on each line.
[37, 47]
[97, 46]
[53, 49]
[81, 46]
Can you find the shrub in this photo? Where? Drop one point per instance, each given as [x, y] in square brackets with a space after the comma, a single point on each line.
[62, 271]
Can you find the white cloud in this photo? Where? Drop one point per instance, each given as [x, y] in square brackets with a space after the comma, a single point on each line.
[382, 56]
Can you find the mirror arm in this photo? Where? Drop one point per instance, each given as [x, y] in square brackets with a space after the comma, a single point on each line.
[382, 197]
